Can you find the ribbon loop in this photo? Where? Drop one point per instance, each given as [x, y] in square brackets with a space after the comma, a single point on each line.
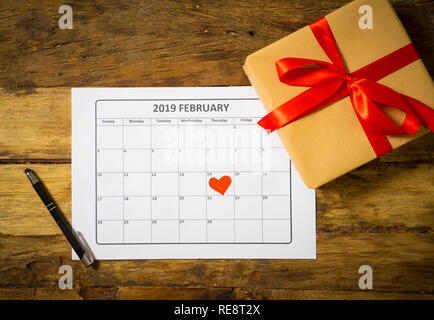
[330, 82]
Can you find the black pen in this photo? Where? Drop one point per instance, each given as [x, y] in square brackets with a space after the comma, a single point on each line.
[75, 239]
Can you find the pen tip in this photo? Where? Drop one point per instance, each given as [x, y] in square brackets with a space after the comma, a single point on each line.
[31, 175]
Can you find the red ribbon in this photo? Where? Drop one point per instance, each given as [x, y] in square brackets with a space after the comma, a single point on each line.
[331, 82]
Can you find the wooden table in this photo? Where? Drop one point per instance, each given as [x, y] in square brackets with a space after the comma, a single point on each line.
[381, 214]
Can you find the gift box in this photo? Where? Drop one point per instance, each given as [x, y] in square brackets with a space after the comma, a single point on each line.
[341, 94]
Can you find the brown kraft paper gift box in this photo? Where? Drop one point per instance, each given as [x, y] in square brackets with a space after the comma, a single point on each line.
[331, 142]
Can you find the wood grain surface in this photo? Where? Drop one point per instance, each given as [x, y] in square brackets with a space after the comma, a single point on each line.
[381, 214]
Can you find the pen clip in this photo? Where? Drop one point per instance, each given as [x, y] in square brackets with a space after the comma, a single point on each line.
[88, 252]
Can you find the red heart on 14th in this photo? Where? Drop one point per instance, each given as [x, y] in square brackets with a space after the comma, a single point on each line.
[220, 185]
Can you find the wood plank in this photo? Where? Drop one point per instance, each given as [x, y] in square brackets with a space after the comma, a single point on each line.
[402, 263]
[36, 127]
[22, 211]
[112, 293]
[160, 42]
[286, 294]
[168, 293]
[379, 197]
[351, 204]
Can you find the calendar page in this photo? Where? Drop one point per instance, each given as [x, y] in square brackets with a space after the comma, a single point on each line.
[184, 173]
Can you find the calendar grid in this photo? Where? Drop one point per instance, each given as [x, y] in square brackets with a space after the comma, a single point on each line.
[179, 224]
[191, 219]
[233, 180]
[194, 195]
[180, 196]
[206, 185]
[290, 199]
[150, 202]
[123, 182]
[262, 194]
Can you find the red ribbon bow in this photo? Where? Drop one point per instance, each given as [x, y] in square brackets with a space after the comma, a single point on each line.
[331, 82]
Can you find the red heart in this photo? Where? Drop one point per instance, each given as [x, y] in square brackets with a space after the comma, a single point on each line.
[220, 185]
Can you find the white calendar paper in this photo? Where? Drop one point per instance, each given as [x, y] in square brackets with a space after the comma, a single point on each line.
[161, 173]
